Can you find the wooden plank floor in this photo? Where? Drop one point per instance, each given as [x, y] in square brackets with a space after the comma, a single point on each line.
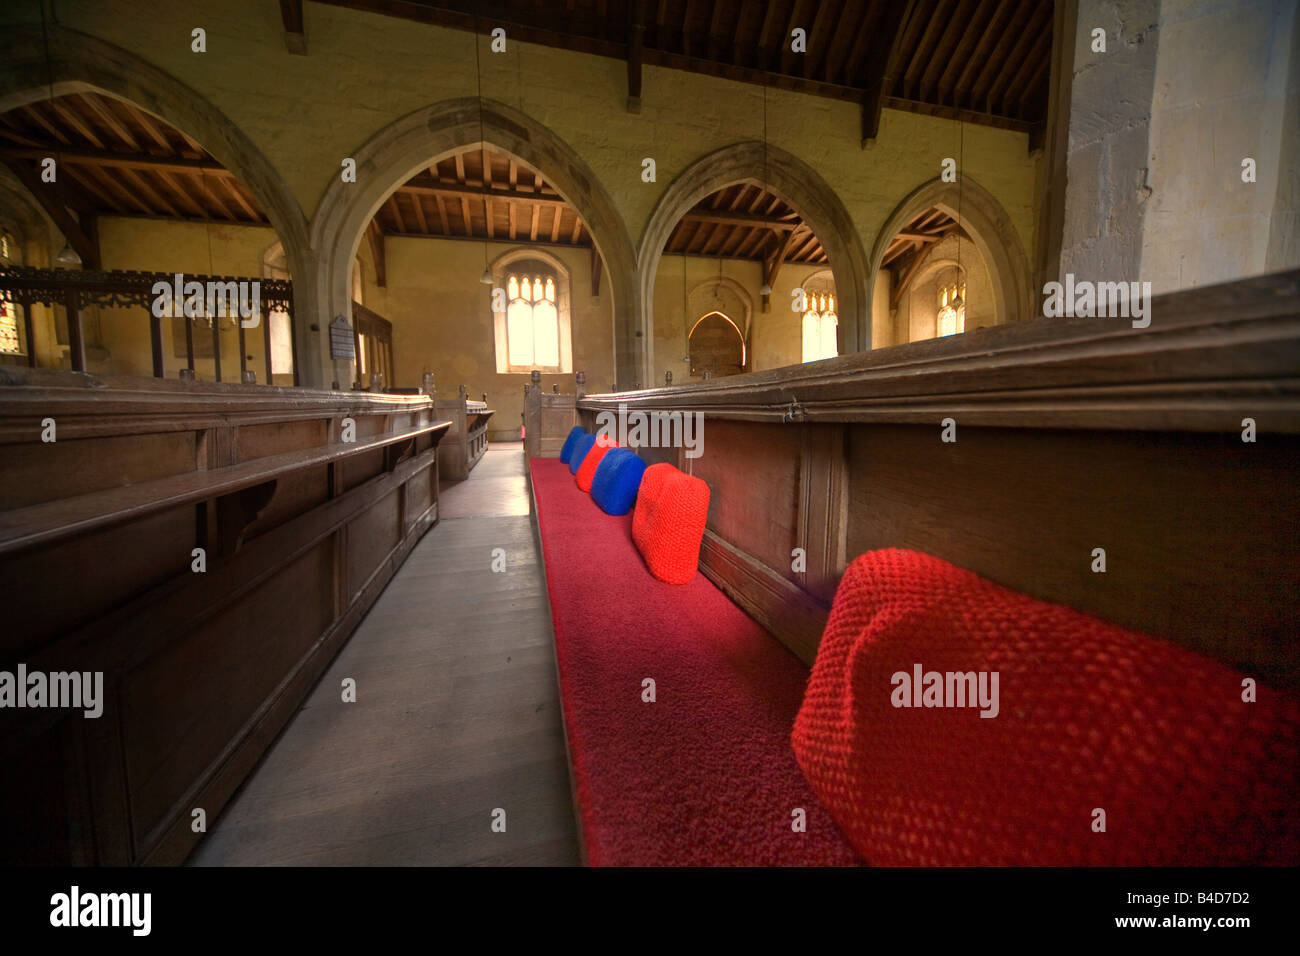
[457, 714]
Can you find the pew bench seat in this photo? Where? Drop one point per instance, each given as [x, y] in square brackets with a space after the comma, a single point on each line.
[53, 521]
[677, 705]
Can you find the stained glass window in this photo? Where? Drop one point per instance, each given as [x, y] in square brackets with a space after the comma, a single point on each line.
[8, 327]
[9, 341]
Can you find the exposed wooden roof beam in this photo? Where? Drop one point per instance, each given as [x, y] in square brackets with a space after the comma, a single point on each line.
[958, 23]
[88, 157]
[437, 201]
[797, 18]
[988, 68]
[375, 239]
[417, 202]
[215, 196]
[772, 268]
[114, 185]
[152, 130]
[882, 62]
[84, 241]
[92, 187]
[43, 123]
[295, 34]
[741, 219]
[635, 49]
[817, 41]
[965, 115]
[182, 194]
[1019, 53]
[478, 192]
[936, 20]
[99, 107]
[766, 43]
[948, 87]
[1023, 82]
[834, 61]
[70, 116]
[138, 183]
[396, 213]
[714, 46]
[901, 287]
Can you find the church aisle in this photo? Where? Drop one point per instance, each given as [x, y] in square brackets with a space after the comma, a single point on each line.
[456, 714]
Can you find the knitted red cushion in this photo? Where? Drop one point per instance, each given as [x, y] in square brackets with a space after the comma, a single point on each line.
[1089, 718]
[587, 470]
[672, 508]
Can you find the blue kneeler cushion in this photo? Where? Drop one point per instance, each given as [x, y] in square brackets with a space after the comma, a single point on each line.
[580, 450]
[617, 479]
[575, 435]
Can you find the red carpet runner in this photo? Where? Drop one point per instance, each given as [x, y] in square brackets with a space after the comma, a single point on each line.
[705, 775]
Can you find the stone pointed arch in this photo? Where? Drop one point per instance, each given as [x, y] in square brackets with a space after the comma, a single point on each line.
[419, 139]
[990, 229]
[796, 183]
[80, 62]
[742, 295]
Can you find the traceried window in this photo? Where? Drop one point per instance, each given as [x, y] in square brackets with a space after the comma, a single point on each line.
[532, 323]
[951, 317]
[820, 322]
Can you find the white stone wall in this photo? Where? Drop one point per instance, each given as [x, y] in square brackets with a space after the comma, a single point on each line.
[1159, 126]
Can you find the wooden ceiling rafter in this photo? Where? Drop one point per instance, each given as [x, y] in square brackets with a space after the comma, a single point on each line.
[124, 162]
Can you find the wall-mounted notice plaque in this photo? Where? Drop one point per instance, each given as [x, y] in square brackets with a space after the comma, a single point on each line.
[342, 344]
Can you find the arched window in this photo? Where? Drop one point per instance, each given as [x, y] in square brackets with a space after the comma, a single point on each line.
[820, 324]
[951, 317]
[532, 323]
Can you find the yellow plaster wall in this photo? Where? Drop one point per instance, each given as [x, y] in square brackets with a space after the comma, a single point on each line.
[118, 339]
[442, 323]
[776, 336]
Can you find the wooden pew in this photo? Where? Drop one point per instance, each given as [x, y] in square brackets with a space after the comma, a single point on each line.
[303, 504]
[1071, 435]
[548, 417]
[467, 440]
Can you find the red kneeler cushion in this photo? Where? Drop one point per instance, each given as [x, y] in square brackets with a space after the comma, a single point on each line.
[1090, 717]
[672, 508]
[587, 470]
